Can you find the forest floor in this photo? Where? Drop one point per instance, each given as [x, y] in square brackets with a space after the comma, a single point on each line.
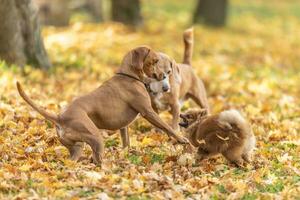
[251, 65]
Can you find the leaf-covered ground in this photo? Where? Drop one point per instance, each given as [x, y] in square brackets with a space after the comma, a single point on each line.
[252, 65]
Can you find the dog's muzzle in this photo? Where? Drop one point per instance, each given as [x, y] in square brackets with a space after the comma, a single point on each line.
[156, 87]
[165, 88]
[184, 122]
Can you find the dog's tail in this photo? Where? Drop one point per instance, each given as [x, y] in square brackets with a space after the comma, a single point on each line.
[50, 116]
[233, 117]
[188, 39]
[232, 120]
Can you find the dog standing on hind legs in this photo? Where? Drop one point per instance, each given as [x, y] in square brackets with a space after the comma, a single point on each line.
[180, 83]
[112, 106]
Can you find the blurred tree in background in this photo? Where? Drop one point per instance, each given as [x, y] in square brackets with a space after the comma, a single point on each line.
[211, 12]
[127, 12]
[95, 8]
[20, 35]
[20, 30]
[54, 12]
[58, 12]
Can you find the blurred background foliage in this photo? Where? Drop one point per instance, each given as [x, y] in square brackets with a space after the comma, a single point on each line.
[251, 27]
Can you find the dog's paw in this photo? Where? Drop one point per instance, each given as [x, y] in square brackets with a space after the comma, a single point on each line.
[239, 163]
[183, 140]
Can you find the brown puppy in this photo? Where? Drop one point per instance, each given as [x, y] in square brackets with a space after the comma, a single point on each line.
[113, 105]
[227, 133]
[180, 83]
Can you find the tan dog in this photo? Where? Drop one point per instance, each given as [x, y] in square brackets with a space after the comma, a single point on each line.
[227, 133]
[181, 83]
[112, 106]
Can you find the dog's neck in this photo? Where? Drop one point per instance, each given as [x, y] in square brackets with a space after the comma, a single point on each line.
[127, 68]
[195, 125]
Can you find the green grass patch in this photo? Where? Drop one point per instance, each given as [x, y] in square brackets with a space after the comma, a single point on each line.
[249, 196]
[271, 188]
[111, 143]
[135, 159]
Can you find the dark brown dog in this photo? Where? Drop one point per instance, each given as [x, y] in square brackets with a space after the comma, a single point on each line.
[112, 106]
[227, 133]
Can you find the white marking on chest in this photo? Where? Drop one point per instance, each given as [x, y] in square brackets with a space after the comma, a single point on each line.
[160, 103]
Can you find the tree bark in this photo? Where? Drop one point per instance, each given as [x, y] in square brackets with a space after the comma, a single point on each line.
[10, 34]
[95, 8]
[127, 12]
[53, 12]
[211, 12]
[20, 35]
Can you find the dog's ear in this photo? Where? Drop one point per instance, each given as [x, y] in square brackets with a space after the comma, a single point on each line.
[176, 72]
[138, 56]
[203, 112]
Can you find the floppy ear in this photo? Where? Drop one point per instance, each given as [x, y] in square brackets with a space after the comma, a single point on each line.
[203, 112]
[176, 72]
[137, 59]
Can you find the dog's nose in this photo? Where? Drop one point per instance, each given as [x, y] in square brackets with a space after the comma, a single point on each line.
[184, 124]
[165, 88]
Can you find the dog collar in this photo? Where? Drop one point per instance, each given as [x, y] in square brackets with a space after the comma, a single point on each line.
[129, 76]
[147, 86]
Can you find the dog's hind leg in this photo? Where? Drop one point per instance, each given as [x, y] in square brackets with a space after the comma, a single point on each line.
[76, 150]
[125, 137]
[65, 137]
[97, 145]
[74, 143]
[198, 94]
[92, 136]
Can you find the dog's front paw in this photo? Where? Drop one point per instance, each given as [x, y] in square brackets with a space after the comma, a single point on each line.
[182, 140]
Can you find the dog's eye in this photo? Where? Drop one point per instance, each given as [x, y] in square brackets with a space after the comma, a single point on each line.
[155, 61]
[169, 72]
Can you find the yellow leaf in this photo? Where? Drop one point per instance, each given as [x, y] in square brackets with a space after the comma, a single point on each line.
[25, 167]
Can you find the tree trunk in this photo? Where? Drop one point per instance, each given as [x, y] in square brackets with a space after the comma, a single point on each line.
[54, 12]
[95, 8]
[211, 12]
[127, 12]
[10, 34]
[20, 35]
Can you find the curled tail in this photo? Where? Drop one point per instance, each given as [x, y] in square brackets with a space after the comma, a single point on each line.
[233, 117]
[50, 116]
[230, 118]
[188, 39]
